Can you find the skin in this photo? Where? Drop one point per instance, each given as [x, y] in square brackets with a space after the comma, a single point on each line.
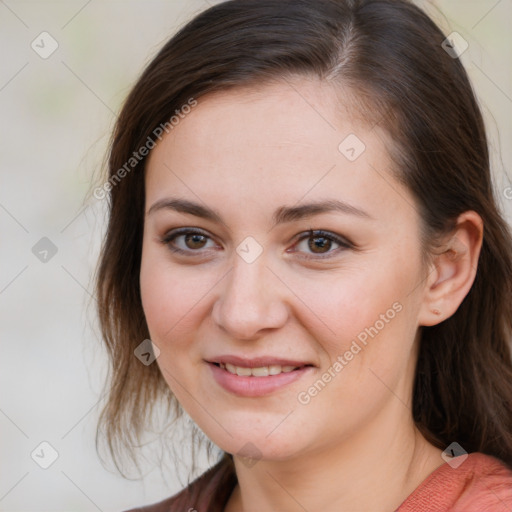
[245, 153]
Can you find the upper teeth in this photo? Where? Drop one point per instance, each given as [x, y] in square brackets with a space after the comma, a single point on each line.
[261, 371]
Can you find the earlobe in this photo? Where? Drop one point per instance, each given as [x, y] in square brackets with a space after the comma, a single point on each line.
[454, 270]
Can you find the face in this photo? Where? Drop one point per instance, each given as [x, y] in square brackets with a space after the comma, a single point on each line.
[281, 270]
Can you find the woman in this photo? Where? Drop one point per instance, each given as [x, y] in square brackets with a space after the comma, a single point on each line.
[302, 222]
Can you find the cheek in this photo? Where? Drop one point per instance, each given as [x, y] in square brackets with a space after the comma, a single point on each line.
[366, 315]
[170, 302]
[164, 298]
[155, 297]
[173, 297]
[356, 297]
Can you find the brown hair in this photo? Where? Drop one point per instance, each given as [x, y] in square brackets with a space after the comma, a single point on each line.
[389, 53]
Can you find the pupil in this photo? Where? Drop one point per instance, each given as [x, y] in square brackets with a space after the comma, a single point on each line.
[195, 241]
[319, 244]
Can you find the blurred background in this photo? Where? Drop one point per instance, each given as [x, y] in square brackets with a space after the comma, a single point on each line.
[66, 67]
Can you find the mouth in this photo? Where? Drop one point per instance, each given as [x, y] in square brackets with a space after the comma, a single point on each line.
[257, 377]
[260, 371]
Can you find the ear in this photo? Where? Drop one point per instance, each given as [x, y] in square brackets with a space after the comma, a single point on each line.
[453, 270]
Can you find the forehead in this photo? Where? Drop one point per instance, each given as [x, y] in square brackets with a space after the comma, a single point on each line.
[274, 144]
[302, 116]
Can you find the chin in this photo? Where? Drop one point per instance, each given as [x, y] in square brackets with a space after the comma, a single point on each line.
[259, 445]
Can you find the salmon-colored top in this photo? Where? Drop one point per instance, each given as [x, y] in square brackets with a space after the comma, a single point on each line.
[480, 484]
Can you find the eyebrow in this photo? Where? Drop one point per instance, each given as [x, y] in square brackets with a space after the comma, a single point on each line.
[281, 215]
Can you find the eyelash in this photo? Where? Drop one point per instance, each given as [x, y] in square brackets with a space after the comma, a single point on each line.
[317, 233]
[320, 233]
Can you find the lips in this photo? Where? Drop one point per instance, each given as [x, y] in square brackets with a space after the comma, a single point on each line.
[257, 362]
[257, 376]
[258, 371]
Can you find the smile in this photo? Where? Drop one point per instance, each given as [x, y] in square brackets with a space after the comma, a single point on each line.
[260, 371]
[256, 381]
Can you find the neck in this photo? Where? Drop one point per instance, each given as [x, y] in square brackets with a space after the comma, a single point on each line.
[375, 469]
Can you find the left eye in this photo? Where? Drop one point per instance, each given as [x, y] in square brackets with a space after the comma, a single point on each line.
[188, 241]
[320, 242]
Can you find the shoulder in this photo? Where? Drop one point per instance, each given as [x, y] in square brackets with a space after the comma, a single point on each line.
[209, 492]
[481, 483]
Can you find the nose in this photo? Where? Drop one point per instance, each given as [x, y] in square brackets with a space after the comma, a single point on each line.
[251, 302]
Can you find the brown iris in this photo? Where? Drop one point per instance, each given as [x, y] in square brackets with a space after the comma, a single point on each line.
[195, 241]
[319, 244]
